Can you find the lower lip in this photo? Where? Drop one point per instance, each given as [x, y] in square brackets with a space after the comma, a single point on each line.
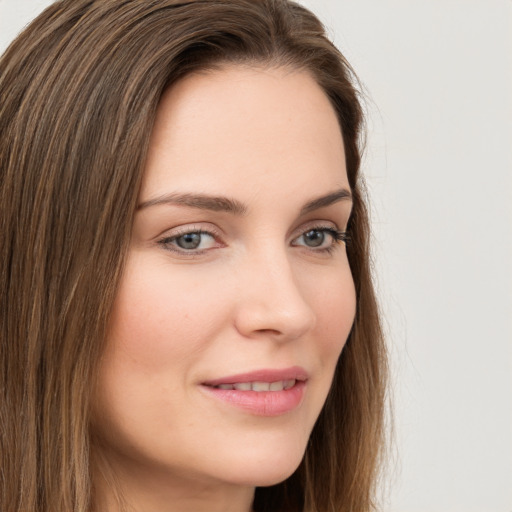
[262, 403]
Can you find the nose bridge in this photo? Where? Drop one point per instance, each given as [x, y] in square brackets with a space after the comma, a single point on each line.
[272, 300]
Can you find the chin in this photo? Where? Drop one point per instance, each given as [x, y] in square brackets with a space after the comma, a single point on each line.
[274, 479]
[267, 470]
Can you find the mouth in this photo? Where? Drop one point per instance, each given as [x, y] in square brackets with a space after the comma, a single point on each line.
[261, 393]
[259, 386]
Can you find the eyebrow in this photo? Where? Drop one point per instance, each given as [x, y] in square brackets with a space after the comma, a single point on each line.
[226, 204]
[200, 201]
[327, 200]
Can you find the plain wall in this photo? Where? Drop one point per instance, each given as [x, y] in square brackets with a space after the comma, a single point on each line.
[439, 170]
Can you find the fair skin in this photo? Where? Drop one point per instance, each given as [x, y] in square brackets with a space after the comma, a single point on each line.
[215, 290]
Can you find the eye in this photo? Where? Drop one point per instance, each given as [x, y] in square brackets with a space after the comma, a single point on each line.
[320, 238]
[191, 241]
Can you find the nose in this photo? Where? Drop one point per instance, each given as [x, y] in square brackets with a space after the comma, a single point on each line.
[271, 302]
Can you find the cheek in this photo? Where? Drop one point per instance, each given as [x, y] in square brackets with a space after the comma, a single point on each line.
[162, 322]
[162, 318]
[335, 306]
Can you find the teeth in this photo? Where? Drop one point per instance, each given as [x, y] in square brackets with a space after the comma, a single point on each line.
[243, 386]
[261, 386]
[287, 384]
[279, 385]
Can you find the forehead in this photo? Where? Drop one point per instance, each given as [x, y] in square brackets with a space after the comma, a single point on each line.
[248, 128]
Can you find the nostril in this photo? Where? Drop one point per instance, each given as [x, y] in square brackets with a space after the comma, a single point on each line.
[259, 321]
[276, 306]
[269, 331]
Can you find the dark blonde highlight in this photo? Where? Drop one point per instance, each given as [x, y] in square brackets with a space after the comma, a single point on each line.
[79, 89]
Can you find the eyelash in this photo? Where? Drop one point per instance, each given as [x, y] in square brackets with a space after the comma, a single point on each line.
[336, 235]
[167, 242]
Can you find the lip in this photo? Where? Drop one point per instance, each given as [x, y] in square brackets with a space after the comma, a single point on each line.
[264, 375]
[261, 403]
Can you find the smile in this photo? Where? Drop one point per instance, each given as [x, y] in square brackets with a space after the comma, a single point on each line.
[259, 386]
[262, 392]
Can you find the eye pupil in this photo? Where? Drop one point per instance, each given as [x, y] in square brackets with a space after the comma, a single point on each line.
[189, 241]
[314, 238]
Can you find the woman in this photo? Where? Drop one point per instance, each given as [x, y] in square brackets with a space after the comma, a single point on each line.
[188, 320]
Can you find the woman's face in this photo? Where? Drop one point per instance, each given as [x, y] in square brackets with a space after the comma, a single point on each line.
[237, 296]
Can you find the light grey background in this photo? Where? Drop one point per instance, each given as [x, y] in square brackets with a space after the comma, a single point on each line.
[439, 169]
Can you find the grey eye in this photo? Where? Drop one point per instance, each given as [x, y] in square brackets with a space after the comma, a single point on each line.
[320, 239]
[189, 243]
[314, 238]
[189, 240]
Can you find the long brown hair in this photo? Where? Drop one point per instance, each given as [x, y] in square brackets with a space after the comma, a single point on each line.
[79, 89]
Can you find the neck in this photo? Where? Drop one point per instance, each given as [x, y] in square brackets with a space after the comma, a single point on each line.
[119, 490]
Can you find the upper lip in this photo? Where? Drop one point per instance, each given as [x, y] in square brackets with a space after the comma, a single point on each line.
[263, 375]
